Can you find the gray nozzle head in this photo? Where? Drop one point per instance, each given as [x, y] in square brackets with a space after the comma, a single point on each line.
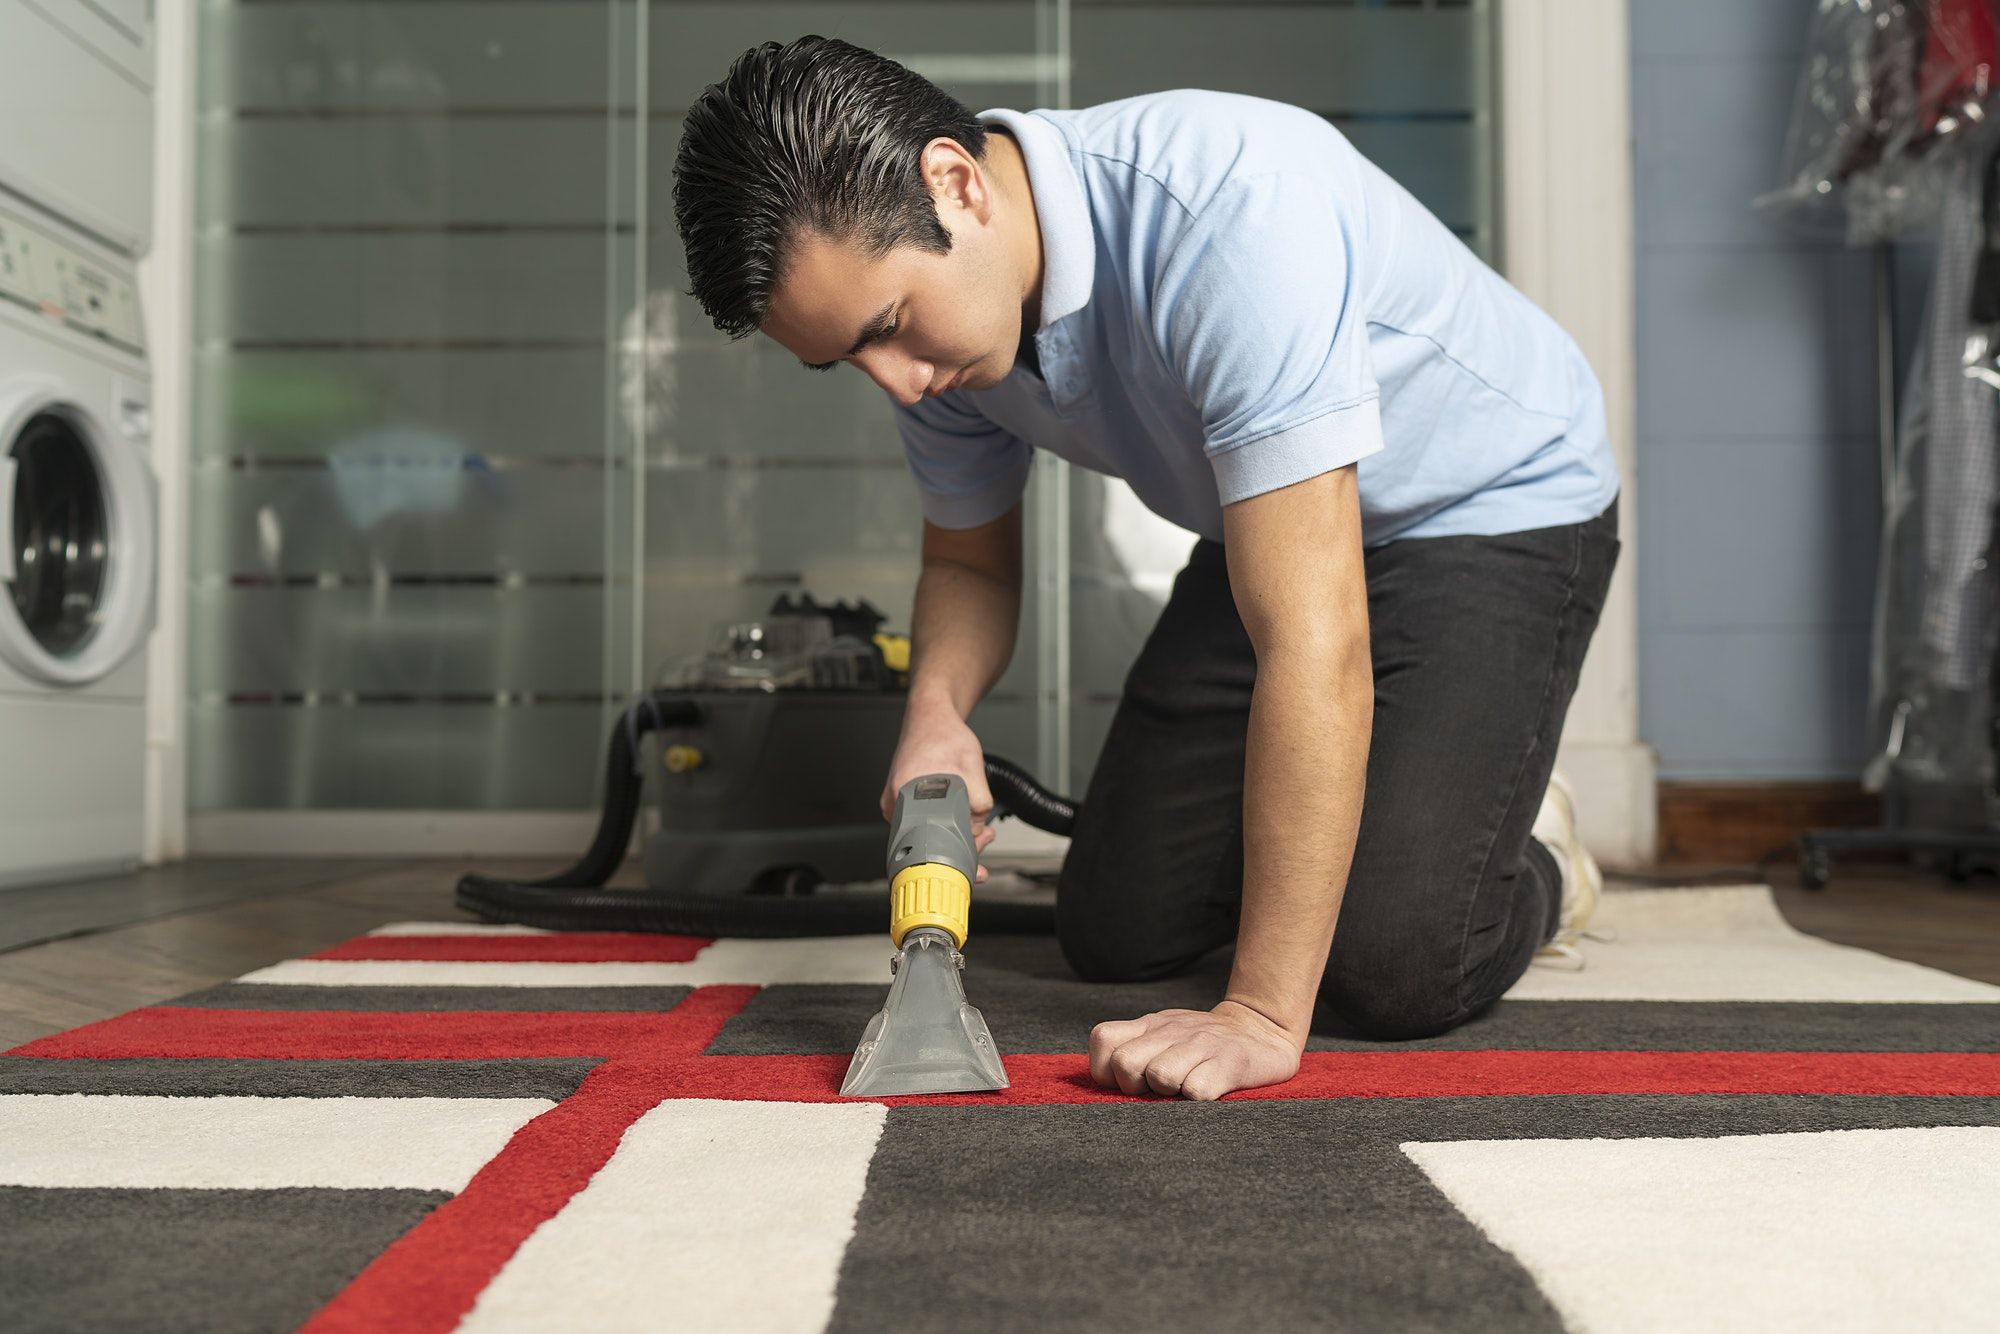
[926, 1039]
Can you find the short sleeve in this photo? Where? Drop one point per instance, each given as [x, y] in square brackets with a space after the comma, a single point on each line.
[968, 471]
[1258, 310]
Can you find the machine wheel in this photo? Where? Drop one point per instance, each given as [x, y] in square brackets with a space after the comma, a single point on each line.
[1815, 866]
[786, 882]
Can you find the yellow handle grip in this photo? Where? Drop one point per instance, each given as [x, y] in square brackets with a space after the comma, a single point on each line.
[930, 894]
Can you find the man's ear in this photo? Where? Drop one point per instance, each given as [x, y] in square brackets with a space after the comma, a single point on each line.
[956, 178]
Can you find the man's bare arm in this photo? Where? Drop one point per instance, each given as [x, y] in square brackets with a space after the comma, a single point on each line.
[962, 632]
[968, 613]
[1296, 571]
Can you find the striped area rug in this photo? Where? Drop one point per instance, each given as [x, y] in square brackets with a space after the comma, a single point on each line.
[1719, 1124]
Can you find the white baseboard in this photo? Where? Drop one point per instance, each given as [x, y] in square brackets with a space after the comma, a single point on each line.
[470, 834]
[1617, 798]
[461, 834]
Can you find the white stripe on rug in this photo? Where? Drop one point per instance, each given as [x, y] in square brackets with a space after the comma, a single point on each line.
[1730, 944]
[840, 959]
[1820, 1233]
[75, 1139]
[1725, 943]
[711, 1215]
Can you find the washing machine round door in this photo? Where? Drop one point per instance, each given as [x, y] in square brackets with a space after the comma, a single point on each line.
[77, 550]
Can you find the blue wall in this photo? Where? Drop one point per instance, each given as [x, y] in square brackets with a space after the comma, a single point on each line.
[1757, 472]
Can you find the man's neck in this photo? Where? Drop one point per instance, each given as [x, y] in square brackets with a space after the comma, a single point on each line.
[1011, 169]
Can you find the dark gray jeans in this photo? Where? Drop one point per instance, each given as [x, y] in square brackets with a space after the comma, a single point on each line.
[1477, 643]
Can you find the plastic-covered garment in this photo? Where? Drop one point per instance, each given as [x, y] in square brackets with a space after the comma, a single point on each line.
[1888, 96]
[1936, 621]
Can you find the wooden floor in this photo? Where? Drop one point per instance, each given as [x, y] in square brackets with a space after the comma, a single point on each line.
[1922, 917]
[48, 987]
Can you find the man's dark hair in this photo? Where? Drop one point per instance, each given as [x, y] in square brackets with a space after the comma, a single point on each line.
[820, 135]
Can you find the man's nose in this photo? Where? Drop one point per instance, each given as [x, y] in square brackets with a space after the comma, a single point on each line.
[903, 378]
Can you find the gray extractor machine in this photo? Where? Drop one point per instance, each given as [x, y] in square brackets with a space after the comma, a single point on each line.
[768, 754]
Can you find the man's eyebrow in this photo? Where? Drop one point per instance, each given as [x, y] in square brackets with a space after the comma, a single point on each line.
[878, 324]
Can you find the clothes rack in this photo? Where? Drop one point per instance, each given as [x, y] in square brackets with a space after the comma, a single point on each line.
[1958, 851]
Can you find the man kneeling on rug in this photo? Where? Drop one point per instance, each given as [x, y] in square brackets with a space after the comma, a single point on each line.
[1397, 467]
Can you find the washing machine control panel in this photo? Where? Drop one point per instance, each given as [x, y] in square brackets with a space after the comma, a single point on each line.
[61, 280]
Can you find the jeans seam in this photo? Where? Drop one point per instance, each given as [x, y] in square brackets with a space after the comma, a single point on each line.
[1493, 838]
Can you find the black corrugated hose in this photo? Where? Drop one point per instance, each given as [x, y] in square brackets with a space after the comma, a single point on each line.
[576, 899]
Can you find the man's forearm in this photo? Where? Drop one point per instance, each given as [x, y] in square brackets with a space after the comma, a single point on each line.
[961, 635]
[1311, 716]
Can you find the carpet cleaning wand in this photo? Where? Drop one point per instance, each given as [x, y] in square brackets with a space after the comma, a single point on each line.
[927, 1039]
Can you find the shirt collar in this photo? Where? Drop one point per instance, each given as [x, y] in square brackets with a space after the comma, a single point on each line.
[1069, 247]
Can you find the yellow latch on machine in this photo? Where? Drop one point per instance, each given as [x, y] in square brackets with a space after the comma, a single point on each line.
[895, 650]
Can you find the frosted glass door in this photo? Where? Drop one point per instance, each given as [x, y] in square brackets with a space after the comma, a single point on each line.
[410, 221]
[761, 478]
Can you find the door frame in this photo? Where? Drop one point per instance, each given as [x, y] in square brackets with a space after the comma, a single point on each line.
[1566, 240]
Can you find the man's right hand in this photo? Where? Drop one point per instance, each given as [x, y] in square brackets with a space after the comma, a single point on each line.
[937, 741]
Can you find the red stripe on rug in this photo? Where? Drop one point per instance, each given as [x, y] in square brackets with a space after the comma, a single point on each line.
[568, 947]
[1037, 1079]
[168, 1031]
[1041, 1080]
[430, 1278]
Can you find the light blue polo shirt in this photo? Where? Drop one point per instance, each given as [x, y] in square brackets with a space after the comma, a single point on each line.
[1235, 300]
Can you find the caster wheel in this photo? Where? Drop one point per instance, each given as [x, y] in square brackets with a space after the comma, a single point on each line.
[1815, 867]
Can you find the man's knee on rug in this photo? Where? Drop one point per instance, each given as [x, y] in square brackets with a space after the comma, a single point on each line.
[1106, 956]
[1382, 1018]
[1105, 951]
[1103, 941]
[1389, 999]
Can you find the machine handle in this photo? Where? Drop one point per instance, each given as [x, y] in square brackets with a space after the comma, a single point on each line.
[932, 858]
[933, 824]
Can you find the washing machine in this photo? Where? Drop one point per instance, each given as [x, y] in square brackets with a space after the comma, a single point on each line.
[79, 514]
[76, 101]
